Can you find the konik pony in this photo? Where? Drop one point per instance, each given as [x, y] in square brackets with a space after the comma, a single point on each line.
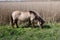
[29, 16]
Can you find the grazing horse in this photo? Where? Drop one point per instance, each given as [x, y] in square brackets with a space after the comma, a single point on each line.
[29, 16]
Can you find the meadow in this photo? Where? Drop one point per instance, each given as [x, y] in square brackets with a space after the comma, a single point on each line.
[51, 31]
[49, 11]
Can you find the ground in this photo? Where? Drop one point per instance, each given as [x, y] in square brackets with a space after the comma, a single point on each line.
[51, 31]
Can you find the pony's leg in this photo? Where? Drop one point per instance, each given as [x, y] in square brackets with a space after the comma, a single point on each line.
[12, 22]
[12, 25]
[38, 23]
[16, 23]
[41, 25]
[32, 22]
[29, 21]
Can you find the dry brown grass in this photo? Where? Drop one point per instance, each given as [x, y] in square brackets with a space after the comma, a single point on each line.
[49, 11]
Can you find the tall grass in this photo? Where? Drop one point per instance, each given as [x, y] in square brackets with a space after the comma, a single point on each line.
[49, 11]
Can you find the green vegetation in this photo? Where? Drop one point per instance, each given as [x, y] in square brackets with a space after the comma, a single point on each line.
[51, 31]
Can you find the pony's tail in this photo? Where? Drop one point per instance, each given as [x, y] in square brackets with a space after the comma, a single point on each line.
[11, 21]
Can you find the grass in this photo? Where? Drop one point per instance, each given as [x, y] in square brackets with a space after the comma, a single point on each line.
[51, 31]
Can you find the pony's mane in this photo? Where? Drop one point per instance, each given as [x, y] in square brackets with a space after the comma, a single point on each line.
[32, 12]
